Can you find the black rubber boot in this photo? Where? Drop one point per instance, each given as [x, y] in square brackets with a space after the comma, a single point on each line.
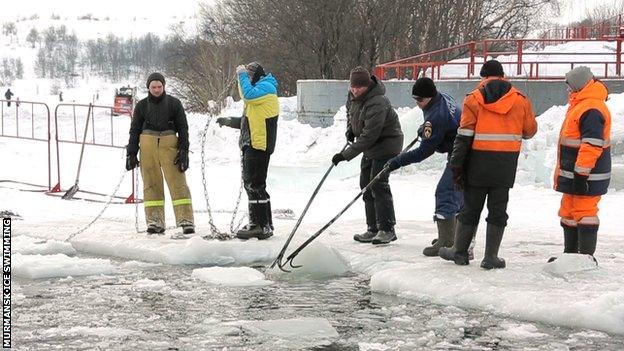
[446, 230]
[570, 239]
[366, 237]
[493, 238]
[154, 229]
[270, 215]
[587, 237]
[255, 232]
[459, 252]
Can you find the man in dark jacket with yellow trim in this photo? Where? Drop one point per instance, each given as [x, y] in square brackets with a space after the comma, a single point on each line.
[155, 122]
[374, 128]
[257, 141]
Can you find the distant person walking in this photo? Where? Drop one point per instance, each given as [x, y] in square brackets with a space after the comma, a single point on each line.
[7, 95]
[60, 96]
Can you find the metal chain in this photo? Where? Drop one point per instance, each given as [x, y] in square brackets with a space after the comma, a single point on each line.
[136, 203]
[110, 200]
[214, 231]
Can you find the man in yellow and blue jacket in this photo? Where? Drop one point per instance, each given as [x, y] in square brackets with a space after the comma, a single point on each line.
[257, 141]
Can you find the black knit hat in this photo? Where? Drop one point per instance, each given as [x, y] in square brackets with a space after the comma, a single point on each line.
[360, 77]
[155, 76]
[424, 87]
[256, 70]
[492, 68]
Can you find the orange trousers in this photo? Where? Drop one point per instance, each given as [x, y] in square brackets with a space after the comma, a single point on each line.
[579, 210]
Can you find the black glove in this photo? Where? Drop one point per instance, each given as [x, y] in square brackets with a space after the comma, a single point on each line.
[350, 136]
[458, 177]
[224, 121]
[580, 184]
[182, 160]
[131, 162]
[393, 164]
[337, 159]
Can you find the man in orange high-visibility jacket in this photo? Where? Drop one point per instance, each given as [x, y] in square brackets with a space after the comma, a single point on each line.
[583, 167]
[495, 118]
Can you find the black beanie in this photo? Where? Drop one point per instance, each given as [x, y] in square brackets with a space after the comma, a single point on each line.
[155, 76]
[360, 77]
[424, 87]
[492, 68]
[257, 71]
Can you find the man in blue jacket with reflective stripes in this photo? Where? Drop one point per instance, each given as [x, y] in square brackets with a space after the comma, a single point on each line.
[437, 134]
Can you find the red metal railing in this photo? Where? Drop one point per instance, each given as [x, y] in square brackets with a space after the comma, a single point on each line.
[523, 63]
[36, 120]
[611, 27]
[106, 141]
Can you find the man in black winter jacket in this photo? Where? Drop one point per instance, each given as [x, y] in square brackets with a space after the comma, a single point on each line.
[373, 127]
[156, 121]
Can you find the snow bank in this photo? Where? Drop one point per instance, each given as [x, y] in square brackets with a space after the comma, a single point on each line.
[192, 251]
[519, 293]
[28, 245]
[234, 276]
[59, 265]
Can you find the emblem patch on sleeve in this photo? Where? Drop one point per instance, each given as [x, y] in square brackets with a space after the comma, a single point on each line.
[427, 130]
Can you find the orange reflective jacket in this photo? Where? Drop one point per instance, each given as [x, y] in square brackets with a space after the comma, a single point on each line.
[495, 118]
[584, 141]
[500, 125]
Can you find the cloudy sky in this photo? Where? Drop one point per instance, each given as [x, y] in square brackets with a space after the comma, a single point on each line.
[111, 8]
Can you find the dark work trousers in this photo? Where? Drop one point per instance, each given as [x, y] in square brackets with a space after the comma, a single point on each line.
[474, 199]
[377, 200]
[448, 200]
[255, 167]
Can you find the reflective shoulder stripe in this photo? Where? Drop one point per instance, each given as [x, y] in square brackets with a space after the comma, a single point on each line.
[154, 203]
[592, 177]
[591, 220]
[593, 141]
[498, 137]
[570, 142]
[181, 202]
[465, 132]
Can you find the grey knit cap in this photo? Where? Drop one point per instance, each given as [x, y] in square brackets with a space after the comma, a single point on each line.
[578, 78]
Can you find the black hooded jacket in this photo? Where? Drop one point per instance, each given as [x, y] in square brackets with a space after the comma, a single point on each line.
[159, 114]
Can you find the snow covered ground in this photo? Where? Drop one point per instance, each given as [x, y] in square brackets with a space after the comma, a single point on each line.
[527, 289]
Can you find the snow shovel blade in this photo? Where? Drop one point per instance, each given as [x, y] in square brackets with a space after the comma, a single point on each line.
[70, 193]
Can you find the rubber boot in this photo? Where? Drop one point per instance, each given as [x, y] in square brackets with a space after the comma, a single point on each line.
[366, 237]
[243, 233]
[570, 239]
[493, 238]
[459, 252]
[587, 237]
[270, 215]
[446, 230]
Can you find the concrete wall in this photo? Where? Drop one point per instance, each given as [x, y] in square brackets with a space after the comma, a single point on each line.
[319, 100]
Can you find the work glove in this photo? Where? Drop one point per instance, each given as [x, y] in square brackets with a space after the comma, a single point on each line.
[224, 121]
[350, 136]
[240, 69]
[337, 159]
[580, 185]
[131, 162]
[458, 178]
[182, 160]
[393, 164]
[131, 157]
